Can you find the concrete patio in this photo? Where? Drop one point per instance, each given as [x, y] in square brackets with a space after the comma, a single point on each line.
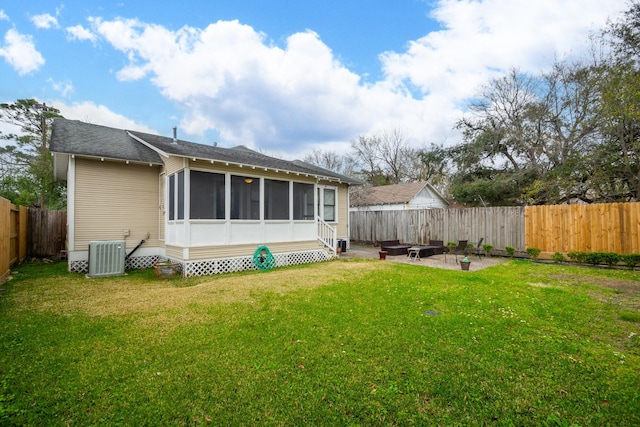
[436, 261]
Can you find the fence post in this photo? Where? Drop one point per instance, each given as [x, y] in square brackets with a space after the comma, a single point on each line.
[5, 238]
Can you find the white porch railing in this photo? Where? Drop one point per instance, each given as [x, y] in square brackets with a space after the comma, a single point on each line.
[328, 235]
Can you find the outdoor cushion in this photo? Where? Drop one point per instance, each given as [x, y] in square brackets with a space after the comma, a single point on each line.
[437, 245]
[396, 249]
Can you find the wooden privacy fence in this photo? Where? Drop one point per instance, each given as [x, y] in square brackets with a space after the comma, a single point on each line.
[47, 232]
[500, 226]
[13, 236]
[611, 227]
[29, 232]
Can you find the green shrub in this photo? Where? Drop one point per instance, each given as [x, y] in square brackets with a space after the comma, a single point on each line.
[630, 260]
[592, 258]
[558, 257]
[609, 258]
[510, 250]
[487, 249]
[469, 248]
[577, 256]
[596, 258]
[533, 252]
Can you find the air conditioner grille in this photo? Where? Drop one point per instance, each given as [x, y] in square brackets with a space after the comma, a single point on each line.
[106, 258]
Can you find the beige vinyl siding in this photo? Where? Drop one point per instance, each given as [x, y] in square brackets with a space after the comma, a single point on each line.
[173, 252]
[343, 211]
[228, 251]
[112, 197]
[173, 164]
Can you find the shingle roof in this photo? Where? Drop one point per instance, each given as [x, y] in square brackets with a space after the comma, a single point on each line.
[322, 171]
[389, 194]
[74, 137]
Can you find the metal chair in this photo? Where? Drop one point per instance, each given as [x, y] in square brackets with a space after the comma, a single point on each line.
[460, 249]
[478, 248]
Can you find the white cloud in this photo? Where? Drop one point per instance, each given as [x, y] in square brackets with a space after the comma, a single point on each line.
[78, 32]
[483, 38]
[64, 88]
[3, 15]
[20, 52]
[231, 78]
[45, 21]
[98, 114]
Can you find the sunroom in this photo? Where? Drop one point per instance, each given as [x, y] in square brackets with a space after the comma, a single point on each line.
[207, 207]
[213, 213]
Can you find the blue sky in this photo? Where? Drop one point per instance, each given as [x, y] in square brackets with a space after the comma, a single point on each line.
[283, 76]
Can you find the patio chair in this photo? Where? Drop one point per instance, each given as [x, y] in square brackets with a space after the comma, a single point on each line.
[478, 248]
[460, 249]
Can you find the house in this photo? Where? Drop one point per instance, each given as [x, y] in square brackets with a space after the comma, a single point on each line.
[413, 195]
[207, 208]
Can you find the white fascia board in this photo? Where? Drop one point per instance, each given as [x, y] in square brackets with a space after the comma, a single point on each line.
[71, 203]
[113, 159]
[146, 144]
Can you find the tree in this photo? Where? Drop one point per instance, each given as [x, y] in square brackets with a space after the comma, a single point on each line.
[431, 164]
[27, 166]
[616, 160]
[524, 131]
[625, 36]
[502, 132]
[395, 155]
[330, 160]
[365, 151]
[383, 158]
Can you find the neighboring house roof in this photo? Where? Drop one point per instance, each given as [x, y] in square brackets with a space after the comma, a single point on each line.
[391, 194]
[75, 137]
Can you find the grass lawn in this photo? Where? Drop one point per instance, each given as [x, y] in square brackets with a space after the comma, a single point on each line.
[348, 342]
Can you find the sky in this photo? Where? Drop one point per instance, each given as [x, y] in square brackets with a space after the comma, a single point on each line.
[282, 76]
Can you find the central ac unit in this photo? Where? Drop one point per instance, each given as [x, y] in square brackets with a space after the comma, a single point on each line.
[106, 258]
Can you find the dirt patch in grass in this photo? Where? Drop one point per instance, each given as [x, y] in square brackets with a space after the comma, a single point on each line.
[122, 295]
[622, 292]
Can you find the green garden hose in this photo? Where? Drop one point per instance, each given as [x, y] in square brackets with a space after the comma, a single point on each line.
[263, 259]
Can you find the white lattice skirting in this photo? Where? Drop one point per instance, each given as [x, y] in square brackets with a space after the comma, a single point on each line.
[133, 263]
[218, 265]
[229, 265]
